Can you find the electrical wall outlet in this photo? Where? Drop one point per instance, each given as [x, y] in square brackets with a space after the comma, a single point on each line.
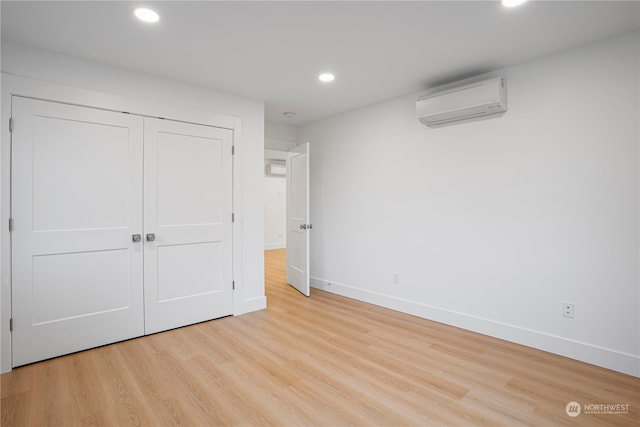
[568, 309]
[396, 278]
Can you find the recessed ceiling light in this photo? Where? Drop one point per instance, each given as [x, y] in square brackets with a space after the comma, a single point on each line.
[326, 77]
[146, 15]
[512, 3]
[289, 114]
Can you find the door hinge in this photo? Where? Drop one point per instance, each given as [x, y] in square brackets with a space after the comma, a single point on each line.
[10, 224]
[233, 217]
[233, 150]
[11, 324]
[10, 124]
[233, 284]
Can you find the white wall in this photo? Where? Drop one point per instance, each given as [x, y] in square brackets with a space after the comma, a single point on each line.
[275, 211]
[275, 204]
[280, 131]
[37, 64]
[492, 225]
[278, 136]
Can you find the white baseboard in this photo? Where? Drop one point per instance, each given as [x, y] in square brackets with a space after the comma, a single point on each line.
[254, 304]
[607, 358]
[277, 245]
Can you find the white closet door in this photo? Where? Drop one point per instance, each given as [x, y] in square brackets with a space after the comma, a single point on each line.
[76, 202]
[187, 216]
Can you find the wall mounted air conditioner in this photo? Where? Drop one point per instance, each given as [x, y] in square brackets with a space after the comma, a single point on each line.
[459, 104]
[276, 168]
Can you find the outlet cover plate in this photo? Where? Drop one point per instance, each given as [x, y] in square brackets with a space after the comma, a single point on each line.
[568, 309]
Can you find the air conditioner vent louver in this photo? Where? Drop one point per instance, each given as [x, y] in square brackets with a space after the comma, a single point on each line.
[276, 168]
[475, 101]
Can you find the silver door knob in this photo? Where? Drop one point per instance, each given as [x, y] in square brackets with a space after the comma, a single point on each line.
[135, 238]
[303, 226]
[151, 237]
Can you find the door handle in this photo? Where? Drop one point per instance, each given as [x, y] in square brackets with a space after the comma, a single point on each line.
[151, 237]
[135, 238]
[303, 226]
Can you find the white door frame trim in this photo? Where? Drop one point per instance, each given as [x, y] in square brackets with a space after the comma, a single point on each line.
[19, 86]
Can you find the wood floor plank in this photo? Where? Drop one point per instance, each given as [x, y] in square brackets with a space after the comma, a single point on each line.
[319, 361]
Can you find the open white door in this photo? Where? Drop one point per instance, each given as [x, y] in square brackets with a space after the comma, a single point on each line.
[298, 225]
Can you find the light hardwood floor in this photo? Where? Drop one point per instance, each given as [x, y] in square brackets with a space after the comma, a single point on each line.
[319, 361]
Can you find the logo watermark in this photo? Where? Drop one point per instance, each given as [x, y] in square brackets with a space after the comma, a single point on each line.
[573, 409]
[606, 408]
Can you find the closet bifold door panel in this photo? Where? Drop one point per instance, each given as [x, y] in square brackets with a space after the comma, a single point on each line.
[187, 223]
[76, 203]
[122, 226]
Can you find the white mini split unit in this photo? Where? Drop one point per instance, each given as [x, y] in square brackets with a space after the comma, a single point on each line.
[466, 103]
[276, 168]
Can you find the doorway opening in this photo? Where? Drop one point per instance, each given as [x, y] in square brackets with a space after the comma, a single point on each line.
[287, 211]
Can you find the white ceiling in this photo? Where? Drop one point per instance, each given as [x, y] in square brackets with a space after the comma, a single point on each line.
[274, 51]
